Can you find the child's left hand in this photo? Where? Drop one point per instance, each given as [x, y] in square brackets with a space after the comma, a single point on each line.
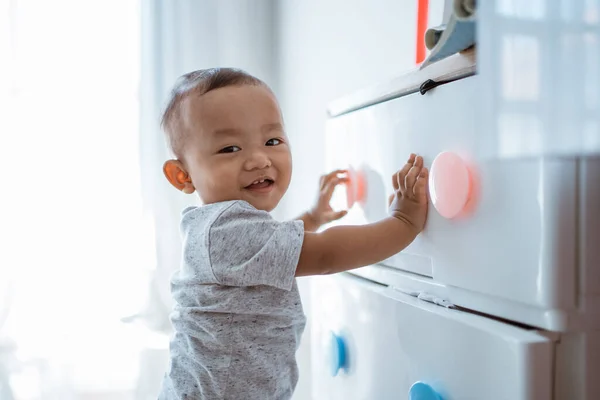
[322, 213]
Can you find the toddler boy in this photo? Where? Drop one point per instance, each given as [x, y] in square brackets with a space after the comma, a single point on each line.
[238, 317]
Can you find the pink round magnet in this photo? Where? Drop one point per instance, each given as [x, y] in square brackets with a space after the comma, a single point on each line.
[355, 188]
[449, 184]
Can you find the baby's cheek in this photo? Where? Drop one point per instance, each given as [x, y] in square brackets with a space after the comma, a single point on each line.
[218, 183]
[284, 179]
[284, 165]
[225, 179]
[207, 187]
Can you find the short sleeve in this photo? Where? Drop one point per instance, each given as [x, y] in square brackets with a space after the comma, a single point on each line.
[247, 247]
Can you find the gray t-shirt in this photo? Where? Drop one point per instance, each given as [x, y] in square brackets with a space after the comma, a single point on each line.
[238, 316]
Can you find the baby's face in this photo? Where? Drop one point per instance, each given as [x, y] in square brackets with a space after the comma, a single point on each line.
[237, 148]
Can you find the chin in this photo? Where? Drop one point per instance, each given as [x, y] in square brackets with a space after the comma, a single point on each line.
[267, 205]
[263, 205]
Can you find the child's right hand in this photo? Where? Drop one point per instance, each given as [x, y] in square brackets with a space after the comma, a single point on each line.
[409, 202]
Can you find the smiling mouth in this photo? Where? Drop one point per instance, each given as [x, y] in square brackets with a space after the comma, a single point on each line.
[260, 184]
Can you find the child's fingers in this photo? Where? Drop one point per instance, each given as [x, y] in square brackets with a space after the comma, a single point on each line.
[327, 191]
[395, 184]
[420, 188]
[335, 215]
[390, 199]
[411, 177]
[401, 175]
[337, 172]
[328, 177]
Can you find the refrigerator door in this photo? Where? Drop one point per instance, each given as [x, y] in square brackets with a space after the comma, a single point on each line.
[372, 342]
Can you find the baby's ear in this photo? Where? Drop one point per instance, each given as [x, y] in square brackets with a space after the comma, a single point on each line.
[178, 176]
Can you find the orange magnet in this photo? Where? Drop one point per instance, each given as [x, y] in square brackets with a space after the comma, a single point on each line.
[355, 188]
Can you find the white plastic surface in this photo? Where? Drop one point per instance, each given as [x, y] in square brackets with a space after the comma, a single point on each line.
[394, 340]
[539, 64]
[589, 248]
[577, 359]
[519, 242]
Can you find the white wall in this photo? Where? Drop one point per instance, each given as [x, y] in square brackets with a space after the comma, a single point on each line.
[328, 49]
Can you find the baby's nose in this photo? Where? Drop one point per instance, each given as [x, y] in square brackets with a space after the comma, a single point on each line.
[258, 160]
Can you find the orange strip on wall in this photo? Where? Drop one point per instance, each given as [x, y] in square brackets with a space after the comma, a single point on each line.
[422, 17]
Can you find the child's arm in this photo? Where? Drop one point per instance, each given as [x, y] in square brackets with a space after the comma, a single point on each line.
[347, 247]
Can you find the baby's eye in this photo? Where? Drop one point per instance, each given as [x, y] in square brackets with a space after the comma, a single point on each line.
[273, 142]
[229, 149]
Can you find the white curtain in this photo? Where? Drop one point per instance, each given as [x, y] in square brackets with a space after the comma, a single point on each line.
[74, 243]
